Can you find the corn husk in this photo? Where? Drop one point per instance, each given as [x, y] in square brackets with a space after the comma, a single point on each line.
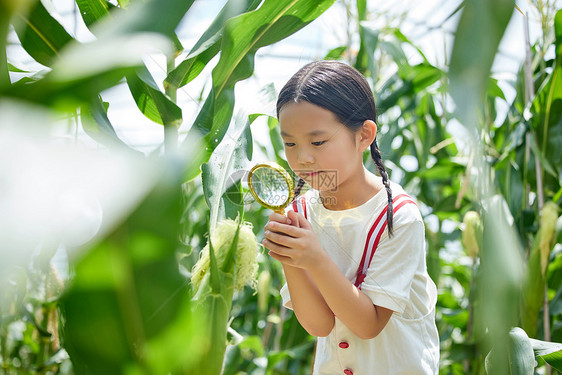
[228, 263]
[264, 283]
[535, 277]
[547, 232]
[246, 254]
[472, 233]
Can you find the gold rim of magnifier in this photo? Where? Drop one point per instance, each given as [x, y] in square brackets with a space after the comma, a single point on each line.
[282, 172]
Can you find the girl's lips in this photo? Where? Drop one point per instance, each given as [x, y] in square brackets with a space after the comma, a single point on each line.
[310, 174]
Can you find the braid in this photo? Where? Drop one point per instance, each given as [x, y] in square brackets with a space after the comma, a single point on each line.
[298, 189]
[376, 155]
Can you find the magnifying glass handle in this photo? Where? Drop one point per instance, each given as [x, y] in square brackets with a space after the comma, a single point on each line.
[280, 212]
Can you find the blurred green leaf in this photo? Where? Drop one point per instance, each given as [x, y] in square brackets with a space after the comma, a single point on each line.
[41, 35]
[15, 69]
[501, 271]
[336, 53]
[518, 359]
[127, 306]
[152, 102]
[97, 125]
[480, 29]
[366, 56]
[93, 10]
[151, 16]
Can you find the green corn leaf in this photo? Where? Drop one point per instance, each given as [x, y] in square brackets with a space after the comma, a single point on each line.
[214, 270]
[394, 49]
[94, 10]
[424, 75]
[551, 352]
[480, 29]
[208, 44]
[535, 277]
[154, 104]
[214, 301]
[216, 309]
[245, 34]
[522, 357]
[545, 163]
[362, 10]
[81, 71]
[366, 55]
[229, 264]
[547, 110]
[41, 35]
[208, 130]
[242, 37]
[152, 16]
[15, 69]
[190, 68]
[517, 358]
[97, 125]
[336, 53]
[127, 300]
[221, 176]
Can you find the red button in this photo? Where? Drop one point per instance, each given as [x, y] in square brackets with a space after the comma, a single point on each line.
[347, 372]
[343, 345]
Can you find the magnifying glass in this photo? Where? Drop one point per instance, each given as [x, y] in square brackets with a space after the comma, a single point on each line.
[271, 185]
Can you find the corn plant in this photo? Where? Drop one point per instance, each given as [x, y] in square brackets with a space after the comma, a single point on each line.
[127, 302]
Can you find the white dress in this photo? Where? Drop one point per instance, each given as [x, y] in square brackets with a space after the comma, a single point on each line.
[396, 279]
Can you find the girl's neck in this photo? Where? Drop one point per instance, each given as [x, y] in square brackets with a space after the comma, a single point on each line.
[352, 192]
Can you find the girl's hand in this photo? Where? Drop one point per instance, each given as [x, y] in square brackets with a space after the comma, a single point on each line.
[294, 244]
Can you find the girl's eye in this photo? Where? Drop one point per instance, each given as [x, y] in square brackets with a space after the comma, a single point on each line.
[319, 143]
[288, 144]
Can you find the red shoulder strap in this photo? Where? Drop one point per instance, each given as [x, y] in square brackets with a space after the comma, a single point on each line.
[299, 205]
[374, 236]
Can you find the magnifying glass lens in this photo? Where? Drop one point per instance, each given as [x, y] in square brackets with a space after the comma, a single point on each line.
[270, 186]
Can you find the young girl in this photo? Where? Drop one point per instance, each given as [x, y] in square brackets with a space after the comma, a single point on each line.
[352, 248]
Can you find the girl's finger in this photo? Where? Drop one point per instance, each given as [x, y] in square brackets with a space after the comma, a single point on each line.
[303, 222]
[280, 239]
[289, 230]
[292, 215]
[277, 217]
[279, 249]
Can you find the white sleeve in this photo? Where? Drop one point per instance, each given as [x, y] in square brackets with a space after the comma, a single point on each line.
[286, 297]
[396, 260]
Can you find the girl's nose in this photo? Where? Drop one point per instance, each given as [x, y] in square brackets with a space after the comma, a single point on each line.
[305, 157]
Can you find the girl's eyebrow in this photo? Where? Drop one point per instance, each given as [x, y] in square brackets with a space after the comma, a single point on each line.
[314, 132]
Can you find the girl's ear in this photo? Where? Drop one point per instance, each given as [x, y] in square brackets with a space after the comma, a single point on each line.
[367, 134]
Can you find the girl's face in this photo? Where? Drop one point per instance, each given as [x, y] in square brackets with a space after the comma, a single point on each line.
[320, 149]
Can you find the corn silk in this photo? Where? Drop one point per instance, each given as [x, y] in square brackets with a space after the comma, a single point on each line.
[246, 254]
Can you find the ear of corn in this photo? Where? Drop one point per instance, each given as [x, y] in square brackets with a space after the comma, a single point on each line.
[243, 253]
[547, 232]
[535, 277]
[472, 233]
[227, 263]
[264, 282]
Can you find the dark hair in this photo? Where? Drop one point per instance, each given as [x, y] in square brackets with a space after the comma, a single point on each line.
[344, 91]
